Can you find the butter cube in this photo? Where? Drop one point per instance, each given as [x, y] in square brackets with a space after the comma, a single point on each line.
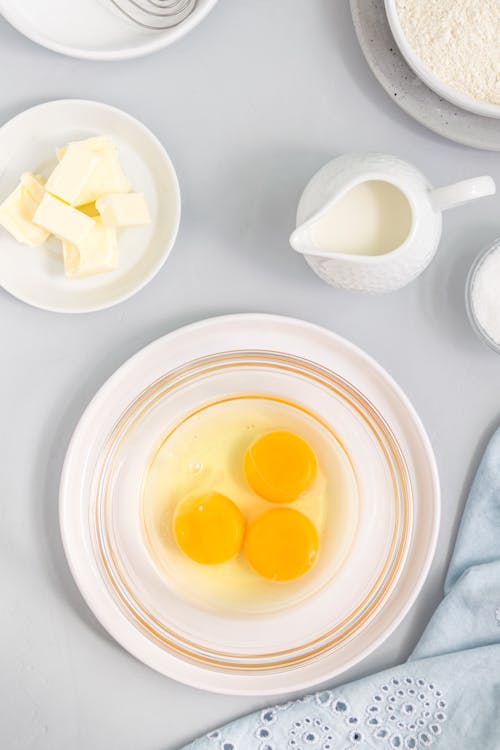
[97, 253]
[108, 177]
[65, 222]
[33, 186]
[72, 174]
[96, 143]
[17, 211]
[123, 209]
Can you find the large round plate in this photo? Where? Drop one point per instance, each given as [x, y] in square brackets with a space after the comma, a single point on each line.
[408, 91]
[93, 29]
[28, 143]
[262, 333]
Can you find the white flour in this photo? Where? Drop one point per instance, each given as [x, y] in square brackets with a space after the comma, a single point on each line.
[459, 40]
[486, 295]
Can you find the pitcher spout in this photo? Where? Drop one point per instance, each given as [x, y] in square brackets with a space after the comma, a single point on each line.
[300, 240]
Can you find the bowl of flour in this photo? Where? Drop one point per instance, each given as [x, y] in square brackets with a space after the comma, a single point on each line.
[454, 47]
[483, 296]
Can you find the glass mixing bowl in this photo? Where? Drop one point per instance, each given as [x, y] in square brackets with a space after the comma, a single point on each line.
[336, 603]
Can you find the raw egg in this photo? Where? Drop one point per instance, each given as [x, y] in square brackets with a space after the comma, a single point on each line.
[279, 466]
[281, 544]
[209, 529]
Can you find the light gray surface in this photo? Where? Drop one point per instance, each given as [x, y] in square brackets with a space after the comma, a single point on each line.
[248, 106]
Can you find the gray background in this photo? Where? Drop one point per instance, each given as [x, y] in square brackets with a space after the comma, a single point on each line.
[249, 106]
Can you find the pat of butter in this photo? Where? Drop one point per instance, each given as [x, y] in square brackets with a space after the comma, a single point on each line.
[17, 211]
[96, 143]
[62, 220]
[98, 253]
[108, 177]
[72, 174]
[123, 209]
[33, 187]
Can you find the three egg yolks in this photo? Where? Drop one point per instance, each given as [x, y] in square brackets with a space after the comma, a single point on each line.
[282, 543]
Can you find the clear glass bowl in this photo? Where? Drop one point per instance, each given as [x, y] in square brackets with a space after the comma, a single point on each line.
[469, 290]
[339, 606]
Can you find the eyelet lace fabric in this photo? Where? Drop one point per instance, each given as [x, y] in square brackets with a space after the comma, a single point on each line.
[446, 696]
[405, 712]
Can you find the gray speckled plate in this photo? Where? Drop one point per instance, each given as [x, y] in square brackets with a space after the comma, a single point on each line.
[407, 90]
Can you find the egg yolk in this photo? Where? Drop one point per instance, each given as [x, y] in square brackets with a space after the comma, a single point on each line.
[209, 529]
[282, 544]
[279, 466]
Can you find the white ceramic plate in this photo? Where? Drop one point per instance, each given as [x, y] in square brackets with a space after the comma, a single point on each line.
[92, 29]
[27, 144]
[82, 469]
[408, 91]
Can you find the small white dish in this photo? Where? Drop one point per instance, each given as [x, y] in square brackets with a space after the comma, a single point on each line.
[316, 638]
[93, 29]
[27, 144]
[428, 77]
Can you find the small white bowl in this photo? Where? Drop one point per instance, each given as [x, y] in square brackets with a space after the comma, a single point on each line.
[428, 77]
[36, 274]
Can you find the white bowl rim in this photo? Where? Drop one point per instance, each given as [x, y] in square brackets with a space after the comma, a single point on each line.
[164, 39]
[441, 88]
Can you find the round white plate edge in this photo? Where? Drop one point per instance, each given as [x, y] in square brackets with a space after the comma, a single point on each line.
[137, 644]
[164, 39]
[175, 181]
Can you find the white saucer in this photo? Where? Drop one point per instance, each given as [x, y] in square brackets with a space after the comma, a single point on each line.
[85, 462]
[27, 144]
[93, 29]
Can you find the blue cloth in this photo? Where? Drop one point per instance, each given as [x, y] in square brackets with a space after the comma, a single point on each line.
[447, 695]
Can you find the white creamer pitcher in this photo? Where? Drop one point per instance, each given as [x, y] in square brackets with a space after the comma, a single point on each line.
[383, 217]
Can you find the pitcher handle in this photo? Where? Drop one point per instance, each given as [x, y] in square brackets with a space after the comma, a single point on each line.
[462, 192]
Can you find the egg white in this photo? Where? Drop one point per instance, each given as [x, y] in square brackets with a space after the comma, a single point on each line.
[204, 453]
